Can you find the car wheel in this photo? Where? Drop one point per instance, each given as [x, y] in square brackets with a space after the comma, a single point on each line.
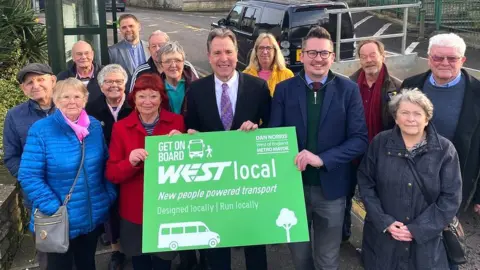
[212, 243]
[122, 10]
[173, 245]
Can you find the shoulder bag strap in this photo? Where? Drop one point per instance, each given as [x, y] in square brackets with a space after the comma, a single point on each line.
[76, 177]
[419, 181]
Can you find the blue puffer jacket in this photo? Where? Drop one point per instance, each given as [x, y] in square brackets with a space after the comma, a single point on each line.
[48, 168]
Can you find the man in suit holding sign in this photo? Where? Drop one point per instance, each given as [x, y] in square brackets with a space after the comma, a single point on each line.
[223, 101]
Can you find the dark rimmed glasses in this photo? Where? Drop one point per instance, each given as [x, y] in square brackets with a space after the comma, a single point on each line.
[313, 54]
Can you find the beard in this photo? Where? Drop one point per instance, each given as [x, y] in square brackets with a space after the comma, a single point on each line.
[131, 37]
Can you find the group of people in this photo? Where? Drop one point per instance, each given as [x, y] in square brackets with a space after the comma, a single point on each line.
[369, 129]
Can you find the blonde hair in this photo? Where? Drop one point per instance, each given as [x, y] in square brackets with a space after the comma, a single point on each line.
[414, 96]
[69, 83]
[278, 59]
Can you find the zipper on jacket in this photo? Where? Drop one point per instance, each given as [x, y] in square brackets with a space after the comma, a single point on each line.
[88, 191]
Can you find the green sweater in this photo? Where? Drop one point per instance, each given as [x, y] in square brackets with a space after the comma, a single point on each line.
[311, 174]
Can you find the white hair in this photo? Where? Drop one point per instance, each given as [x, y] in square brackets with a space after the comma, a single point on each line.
[159, 33]
[450, 40]
[112, 68]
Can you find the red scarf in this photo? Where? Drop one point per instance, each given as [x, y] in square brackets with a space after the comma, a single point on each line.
[373, 113]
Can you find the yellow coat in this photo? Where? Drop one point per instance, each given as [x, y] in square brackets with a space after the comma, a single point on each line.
[276, 77]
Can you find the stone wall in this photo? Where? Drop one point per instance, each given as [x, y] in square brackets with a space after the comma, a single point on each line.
[184, 5]
[11, 224]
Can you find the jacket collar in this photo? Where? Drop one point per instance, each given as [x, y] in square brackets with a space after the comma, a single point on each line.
[73, 70]
[395, 141]
[35, 106]
[133, 119]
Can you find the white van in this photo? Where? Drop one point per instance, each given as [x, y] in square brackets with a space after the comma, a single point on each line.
[186, 234]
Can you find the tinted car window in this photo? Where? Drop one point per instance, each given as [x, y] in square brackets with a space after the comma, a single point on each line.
[314, 16]
[249, 19]
[234, 16]
[272, 16]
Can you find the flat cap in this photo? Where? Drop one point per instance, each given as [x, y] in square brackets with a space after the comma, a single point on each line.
[36, 68]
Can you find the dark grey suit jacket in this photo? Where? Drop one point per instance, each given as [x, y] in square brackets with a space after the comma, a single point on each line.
[119, 54]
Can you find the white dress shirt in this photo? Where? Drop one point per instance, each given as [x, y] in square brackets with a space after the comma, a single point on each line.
[232, 91]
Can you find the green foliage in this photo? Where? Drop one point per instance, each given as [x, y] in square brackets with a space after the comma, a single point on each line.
[22, 41]
[19, 29]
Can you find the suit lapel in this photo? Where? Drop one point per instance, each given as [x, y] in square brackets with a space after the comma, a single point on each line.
[302, 99]
[145, 49]
[326, 101]
[241, 102]
[211, 102]
[126, 58]
[469, 116]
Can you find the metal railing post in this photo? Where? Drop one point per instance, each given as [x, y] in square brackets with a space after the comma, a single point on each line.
[405, 22]
[421, 29]
[339, 37]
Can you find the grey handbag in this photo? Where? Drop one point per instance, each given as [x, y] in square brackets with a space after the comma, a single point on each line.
[52, 232]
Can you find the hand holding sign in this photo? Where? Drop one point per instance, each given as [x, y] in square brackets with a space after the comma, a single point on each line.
[247, 126]
[305, 158]
[137, 155]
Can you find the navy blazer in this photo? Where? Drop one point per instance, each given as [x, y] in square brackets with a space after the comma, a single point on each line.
[342, 132]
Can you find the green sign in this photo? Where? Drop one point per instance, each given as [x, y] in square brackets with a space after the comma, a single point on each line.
[222, 189]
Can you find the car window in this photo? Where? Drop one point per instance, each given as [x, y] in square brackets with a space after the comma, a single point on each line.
[165, 231]
[272, 16]
[234, 16]
[191, 229]
[202, 229]
[314, 16]
[249, 19]
[177, 230]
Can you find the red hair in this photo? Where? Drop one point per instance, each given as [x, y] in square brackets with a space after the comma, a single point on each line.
[149, 81]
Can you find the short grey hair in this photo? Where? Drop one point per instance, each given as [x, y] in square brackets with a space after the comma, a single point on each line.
[450, 40]
[414, 96]
[221, 33]
[112, 68]
[170, 47]
[159, 33]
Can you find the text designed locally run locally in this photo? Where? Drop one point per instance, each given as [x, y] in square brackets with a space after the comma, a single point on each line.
[208, 208]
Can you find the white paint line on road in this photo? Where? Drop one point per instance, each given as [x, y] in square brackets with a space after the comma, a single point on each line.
[171, 32]
[213, 17]
[411, 47]
[151, 25]
[383, 29]
[391, 53]
[362, 21]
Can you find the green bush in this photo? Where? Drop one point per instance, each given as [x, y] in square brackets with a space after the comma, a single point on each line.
[22, 40]
[10, 92]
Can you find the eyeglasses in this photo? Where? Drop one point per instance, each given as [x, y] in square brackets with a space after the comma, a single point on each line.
[67, 98]
[450, 59]
[313, 54]
[169, 62]
[265, 48]
[111, 82]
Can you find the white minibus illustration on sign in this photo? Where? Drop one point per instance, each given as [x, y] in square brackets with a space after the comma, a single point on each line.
[196, 148]
[186, 234]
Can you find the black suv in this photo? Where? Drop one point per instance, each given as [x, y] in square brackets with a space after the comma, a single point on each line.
[289, 22]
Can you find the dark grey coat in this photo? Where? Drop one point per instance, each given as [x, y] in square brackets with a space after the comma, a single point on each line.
[390, 193]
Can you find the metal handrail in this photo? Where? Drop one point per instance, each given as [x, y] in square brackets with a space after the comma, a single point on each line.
[339, 13]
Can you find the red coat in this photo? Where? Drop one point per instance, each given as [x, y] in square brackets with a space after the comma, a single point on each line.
[129, 134]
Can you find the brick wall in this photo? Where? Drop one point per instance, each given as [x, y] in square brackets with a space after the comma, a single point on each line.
[12, 224]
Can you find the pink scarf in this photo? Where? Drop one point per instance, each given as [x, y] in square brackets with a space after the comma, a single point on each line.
[81, 127]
